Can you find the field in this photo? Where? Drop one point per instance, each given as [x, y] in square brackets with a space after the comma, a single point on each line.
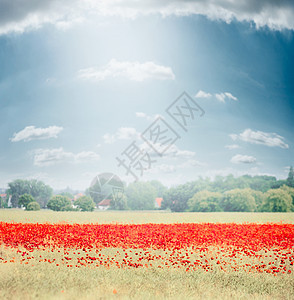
[146, 255]
[139, 217]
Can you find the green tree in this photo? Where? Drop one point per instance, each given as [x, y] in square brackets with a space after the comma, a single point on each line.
[38, 189]
[176, 198]
[3, 201]
[258, 183]
[85, 203]
[277, 200]
[231, 182]
[95, 192]
[25, 199]
[259, 198]
[119, 203]
[58, 202]
[67, 194]
[262, 183]
[290, 179]
[140, 196]
[278, 184]
[290, 191]
[238, 200]
[69, 207]
[159, 187]
[205, 201]
[33, 206]
[17, 188]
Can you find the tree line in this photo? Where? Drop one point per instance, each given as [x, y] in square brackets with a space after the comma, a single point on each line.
[224, 193]
[244, 193]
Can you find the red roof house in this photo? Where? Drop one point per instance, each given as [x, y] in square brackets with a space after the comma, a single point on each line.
[158, 202]
[104, 204]
[77, 196]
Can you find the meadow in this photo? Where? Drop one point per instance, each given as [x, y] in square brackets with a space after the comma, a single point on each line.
[146, 255]
[139, 217]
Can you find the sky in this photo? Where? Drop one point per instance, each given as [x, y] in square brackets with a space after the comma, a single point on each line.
[166, 90]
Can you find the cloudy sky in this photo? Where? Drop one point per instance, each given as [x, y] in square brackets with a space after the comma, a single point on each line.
[88, 87]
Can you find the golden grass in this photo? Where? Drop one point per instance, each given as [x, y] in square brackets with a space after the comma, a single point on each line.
[39, 280]
[138, 217]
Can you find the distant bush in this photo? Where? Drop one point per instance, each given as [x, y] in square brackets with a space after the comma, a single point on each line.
[141, 196]
[25, 200]
[69, 208]
[58, 202]
[238, 200]
[33, 206]
[277, 200]
[85, 203]
[205, 201]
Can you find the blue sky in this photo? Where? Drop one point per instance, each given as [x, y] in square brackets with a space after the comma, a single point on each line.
[79, 82]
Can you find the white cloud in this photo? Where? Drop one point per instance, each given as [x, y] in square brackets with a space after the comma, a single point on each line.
[220, 97]
[131, 70]
[233, 136]
[261, 138]
[202, 94]
[141, 115]
[192, 163]
[167, 168]
[223, 96]
[184, 153]
[109, 138]
[172, 152]
[275, 14]
[123, 133]
[47, 157]
[162, 168]
[231, 147]
[30, 133]
[86, 156]
[127, 133]
[148, 117]
[172, 168]
[18, 15]
[245, 159]
[230, 96]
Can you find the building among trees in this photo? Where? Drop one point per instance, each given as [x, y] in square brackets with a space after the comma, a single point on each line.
[104, 204]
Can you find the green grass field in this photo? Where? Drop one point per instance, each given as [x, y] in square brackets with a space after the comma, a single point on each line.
[18, 215]
[46, 281]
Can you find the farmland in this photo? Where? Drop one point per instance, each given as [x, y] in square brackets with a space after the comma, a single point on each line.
[139, 217]
[146, 255]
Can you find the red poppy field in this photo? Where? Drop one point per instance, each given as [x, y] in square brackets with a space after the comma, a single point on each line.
[215, 252]
[251, 247]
